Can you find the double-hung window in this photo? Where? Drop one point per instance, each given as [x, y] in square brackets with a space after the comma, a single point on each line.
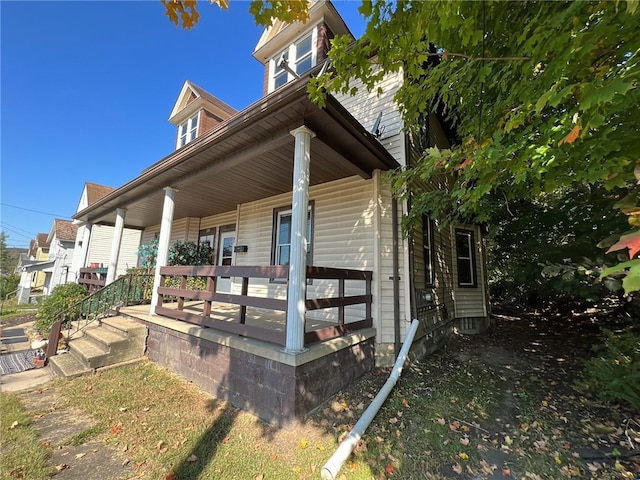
[465, 253]
[299, 58]
[188, 130]
[304, 55]
[427, 246]
[281, 251]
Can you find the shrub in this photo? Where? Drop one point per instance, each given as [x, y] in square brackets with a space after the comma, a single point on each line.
[615, 373]
[62, 298]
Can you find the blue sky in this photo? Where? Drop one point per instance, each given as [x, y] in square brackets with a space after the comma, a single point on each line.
[87, 87]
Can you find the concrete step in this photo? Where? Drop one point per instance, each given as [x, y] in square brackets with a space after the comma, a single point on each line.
[124, 325]
[68, 366]
[113, 341]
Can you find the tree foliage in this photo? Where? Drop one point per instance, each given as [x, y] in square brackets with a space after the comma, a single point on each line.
[185, 12]
[549, 247]
[542, 94]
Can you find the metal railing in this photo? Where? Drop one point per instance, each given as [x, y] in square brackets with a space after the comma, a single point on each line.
[130, 289]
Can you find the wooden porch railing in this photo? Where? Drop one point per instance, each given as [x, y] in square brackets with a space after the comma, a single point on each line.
[209, 296]
[92, 278]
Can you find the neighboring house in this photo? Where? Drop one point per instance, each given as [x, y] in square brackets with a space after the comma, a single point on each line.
[313, 283]
[61, 241]
[50, 262]
[32, 270]
[94, 243]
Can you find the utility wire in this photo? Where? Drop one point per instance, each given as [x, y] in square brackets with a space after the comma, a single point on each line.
[65, 217]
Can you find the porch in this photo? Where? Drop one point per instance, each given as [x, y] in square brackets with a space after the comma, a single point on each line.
[232, 346]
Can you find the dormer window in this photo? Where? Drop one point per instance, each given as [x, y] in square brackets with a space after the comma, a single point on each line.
[188, 130]
[300, 57]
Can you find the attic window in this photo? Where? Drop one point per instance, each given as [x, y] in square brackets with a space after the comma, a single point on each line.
[188, 130]
[300, 57]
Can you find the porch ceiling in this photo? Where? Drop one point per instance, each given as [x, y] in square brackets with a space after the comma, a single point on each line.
[247, 158]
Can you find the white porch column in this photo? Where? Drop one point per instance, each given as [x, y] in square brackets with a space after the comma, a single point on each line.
[298, 255]
[115, 246]
[163, 241]
[86, 238]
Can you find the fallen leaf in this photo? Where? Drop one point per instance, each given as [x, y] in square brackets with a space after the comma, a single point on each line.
[457, 468]
[464, 441]
[441, 421]
[303, 443]
[170, 476]
[192, 458]
[80, 455]
[389, 469]
[14, 425]
[61, 466]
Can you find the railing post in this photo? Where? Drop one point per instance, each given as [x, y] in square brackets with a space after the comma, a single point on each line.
[244, 292]
[368, 293]
[341, 307]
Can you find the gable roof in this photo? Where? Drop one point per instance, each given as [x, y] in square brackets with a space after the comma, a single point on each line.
[63, 230]
[40, 241]
[95, 192]
[279, 35]
[193, 98]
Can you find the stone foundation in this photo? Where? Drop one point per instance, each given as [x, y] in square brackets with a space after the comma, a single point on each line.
[258, 377]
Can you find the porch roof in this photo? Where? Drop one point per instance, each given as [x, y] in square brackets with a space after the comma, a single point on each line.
[246, 158]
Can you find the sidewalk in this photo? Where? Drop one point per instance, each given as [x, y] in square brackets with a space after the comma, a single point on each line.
[16, 339]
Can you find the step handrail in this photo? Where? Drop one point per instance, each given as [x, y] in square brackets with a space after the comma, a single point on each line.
[130, 289]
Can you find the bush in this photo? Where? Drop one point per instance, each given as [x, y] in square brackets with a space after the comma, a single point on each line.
[62, 298]
[615, 373]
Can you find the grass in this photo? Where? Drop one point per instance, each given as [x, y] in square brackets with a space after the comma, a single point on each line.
[167, 426]
[449, 416]
[11, 309]
[22, 454]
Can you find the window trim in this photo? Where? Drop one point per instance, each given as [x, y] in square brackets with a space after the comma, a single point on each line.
[471, 259]
[277, 213]
[212, 231]
[292, 59]
[428, 252]
[187, 130]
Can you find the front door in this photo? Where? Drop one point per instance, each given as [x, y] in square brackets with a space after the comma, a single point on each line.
[225, 257]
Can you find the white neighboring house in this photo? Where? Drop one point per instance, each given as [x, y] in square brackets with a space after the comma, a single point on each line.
[93, 243]
[42, 274]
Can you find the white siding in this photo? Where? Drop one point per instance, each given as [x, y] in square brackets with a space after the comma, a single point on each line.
[100, 247]
[344, 236]
[365, 107]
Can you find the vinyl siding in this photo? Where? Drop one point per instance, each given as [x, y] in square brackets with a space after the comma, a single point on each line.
[365, 107]
[469, 301]
[100, 247]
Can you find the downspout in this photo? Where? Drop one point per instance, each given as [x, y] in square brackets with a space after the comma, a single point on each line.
[396, 278]
[332, 467]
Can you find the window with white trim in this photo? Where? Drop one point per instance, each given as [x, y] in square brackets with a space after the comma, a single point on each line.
[281, 251]
[465, 253]
[188, 130]
[300, 58]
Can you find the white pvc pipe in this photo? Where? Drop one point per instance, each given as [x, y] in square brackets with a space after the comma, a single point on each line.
[332, 467]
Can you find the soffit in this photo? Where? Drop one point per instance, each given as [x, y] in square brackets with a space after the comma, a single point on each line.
[247, 158]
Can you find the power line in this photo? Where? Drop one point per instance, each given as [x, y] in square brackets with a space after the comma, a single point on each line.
[7, 227]
[36, 211]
